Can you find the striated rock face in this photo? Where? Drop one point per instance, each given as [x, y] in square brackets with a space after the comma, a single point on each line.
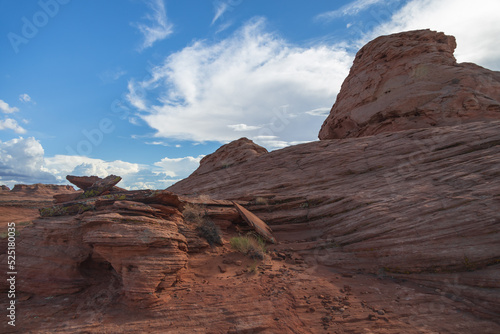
[418, 204]
[4, 188]
[231, 154]
[135, 247]
[411, 80]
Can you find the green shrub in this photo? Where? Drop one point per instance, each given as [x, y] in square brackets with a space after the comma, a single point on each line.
[250, 245]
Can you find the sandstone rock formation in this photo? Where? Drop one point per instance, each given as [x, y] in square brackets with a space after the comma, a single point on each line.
[231, 154]
[395, 232]
[417, 204]
[411, 80]
[111, 241]
[4, 188]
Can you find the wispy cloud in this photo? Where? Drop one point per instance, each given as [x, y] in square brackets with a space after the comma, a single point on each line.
[319, 111]
[112, 75]
[350, 9]
[158, 27]
[24, 98]
[252, 84]
[135, 96]
[220, 9]
[5, 108]
[11, 124]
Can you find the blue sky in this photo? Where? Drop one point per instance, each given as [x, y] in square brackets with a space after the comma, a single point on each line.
[145, 88]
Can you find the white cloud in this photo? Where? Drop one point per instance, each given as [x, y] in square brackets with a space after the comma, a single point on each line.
[5, 108]
[243, 127]
[473, 23]
[24, 98]
[178, 166]
[22, 161]
[11, 124]
[350, 9]
[135, 95]
[112, 75]
[220, 9]
[319, 112]
[210, 89]
[158, 28]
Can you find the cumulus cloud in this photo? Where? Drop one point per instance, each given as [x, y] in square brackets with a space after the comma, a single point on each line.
[11, 124]
[252, 84]
[22, 161]
[473, 23]
[158, 27]
[5, 108]
[350, 9]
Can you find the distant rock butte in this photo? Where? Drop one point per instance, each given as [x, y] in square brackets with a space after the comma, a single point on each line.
[4, 188]
[411, 80]
[42, 189]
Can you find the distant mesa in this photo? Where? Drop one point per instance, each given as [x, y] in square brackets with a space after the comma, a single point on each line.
[41, 189]
[4, 188]
[411, 80]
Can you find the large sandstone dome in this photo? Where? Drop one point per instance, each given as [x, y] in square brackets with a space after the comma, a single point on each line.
[411, 80]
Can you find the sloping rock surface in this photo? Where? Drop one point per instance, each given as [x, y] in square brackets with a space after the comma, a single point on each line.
[411, 80]
[417, 204]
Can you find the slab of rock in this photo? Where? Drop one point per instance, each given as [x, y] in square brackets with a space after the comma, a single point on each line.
[411, 80]
[86, 182]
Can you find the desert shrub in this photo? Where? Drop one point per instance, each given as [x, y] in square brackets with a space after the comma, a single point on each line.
[205, 198]
[261, 201]
[205, 227]
[250, 245]
[193, 213]
[211, 232]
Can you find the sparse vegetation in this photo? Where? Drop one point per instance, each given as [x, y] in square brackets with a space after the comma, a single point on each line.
[261, 201]
[204, 198]
[211, 232]
[194, 213]
[250, 245]
[204, 225]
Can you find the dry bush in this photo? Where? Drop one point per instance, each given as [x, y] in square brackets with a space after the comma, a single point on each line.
[205, 227]
[253, 246]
